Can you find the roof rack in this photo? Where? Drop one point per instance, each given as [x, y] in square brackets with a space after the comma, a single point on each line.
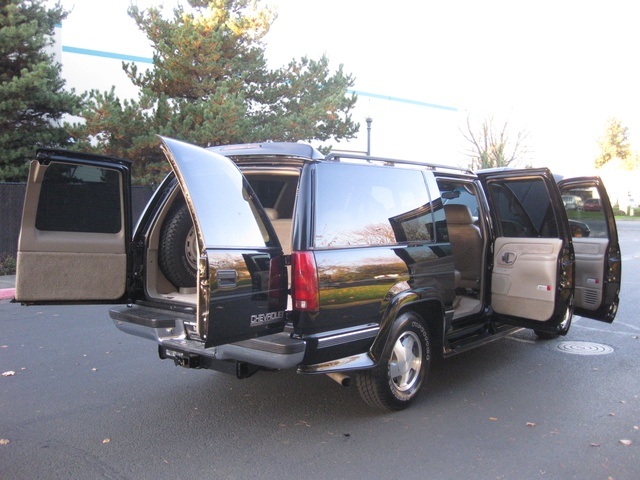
[335, 156]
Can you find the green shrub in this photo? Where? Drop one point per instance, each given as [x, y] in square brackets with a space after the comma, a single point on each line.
[7, 264]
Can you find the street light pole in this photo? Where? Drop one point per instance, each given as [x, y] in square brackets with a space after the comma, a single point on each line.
[369, 120]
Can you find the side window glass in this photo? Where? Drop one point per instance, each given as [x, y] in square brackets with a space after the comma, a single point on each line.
[360, 205]
[79, 198]
[585, 212]
[462, 194]
[523, 208]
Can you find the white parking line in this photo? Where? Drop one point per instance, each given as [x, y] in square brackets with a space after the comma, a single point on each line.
[520, 339]
[632, 327]
[605, 330]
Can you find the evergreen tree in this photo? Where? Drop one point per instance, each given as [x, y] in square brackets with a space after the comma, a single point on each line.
[210, 85]
[32, 95]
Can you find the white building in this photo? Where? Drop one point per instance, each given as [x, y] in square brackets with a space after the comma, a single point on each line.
[92, 54]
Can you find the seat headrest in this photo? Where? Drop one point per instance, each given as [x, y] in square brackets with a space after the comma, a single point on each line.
[458, 214]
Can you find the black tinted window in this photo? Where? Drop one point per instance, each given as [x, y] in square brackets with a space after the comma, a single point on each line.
[523, 208]
[79, 198]
[370, 205]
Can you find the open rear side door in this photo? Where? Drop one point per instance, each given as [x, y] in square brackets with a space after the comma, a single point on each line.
[241, 275]
[532, 275]
[597, 251]
[76, 229]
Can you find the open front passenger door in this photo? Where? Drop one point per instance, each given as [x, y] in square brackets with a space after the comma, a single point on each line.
[597, 251]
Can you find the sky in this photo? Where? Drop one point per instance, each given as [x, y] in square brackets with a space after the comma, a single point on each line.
[557, 70]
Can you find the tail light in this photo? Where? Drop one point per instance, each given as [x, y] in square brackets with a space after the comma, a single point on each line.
[304, 282]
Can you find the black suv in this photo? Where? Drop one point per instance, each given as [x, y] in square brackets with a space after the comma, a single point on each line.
[273, 256]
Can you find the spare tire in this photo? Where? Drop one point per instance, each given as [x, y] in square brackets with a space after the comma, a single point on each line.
[178, 252]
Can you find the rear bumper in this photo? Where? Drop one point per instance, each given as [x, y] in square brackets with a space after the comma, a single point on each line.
[167, 328]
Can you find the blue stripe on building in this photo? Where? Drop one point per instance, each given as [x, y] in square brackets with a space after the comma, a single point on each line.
[98, 53]
[132, 58]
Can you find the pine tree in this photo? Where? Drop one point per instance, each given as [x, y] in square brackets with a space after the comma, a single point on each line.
[33, 99]
[210, 85]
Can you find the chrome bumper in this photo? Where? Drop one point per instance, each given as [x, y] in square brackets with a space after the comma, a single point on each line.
[278, 351]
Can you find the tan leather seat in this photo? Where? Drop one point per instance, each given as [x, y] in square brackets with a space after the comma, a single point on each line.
[282, 226]
[272, 213]
[466, 245]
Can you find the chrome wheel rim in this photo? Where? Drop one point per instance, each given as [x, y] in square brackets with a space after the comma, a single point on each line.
[406, 361]
[191, 249]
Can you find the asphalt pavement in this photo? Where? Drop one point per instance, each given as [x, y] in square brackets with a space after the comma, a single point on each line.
[80, 400]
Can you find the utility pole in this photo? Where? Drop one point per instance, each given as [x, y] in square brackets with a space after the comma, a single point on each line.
[369, 120]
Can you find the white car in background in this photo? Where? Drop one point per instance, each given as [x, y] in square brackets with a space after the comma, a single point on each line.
[572, 202]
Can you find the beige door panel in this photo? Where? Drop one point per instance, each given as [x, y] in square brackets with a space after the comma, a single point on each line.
[62, 265]
[69, 266]
[589, 272]
[70, 276]
[524, 277]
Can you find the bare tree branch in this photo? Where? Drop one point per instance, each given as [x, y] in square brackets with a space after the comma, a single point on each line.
[492, 148]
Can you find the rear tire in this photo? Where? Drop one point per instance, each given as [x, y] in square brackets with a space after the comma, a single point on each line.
[177, 255]
[396, 381]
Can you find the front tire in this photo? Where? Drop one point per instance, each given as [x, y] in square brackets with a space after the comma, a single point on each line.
[395, 382]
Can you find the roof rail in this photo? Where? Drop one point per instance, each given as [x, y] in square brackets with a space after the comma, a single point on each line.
[336, 156]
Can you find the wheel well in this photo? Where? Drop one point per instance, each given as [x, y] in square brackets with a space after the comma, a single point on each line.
[432, 315]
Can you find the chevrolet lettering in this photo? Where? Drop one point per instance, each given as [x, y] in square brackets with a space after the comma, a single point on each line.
[266, 317]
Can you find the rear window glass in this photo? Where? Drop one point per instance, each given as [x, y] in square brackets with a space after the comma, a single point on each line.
[267, 190]
[369, 205]
[277, 192]
[79, 198]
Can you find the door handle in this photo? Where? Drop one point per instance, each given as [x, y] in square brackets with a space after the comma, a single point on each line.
[227, 278]
[508, 258]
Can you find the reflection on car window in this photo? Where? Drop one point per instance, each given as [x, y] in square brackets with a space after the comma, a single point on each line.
[370, 205]
[587, 219]
[460, 195]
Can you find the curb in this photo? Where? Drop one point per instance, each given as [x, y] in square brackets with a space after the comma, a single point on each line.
[6, 293]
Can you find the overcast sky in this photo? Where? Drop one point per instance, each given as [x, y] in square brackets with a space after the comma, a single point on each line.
[557, 69]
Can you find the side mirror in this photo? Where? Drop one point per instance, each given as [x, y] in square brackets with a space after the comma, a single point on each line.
[579, 229]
